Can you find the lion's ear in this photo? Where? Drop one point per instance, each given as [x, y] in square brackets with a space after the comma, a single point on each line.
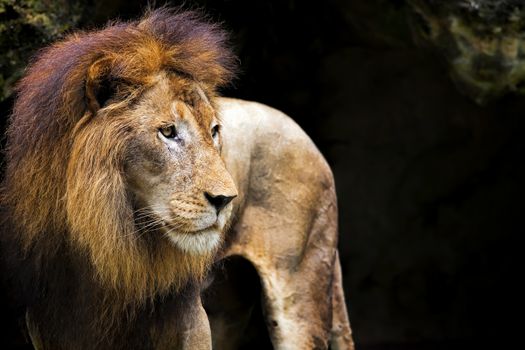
[100, 86]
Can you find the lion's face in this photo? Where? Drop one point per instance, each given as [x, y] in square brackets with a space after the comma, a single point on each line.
[147, 194]
[176, 177]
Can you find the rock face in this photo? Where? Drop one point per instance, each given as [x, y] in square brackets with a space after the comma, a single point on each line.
[482, 40]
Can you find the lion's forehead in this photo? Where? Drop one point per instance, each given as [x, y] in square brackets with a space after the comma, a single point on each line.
[172, 97]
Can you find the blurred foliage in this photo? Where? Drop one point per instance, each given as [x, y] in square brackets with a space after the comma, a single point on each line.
[27, 25]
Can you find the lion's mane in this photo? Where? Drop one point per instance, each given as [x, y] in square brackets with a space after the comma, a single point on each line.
[64, 189]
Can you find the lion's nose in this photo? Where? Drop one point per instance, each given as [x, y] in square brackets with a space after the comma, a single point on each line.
[219, 201]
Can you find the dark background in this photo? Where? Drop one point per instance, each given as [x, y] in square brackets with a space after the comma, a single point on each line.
[430, 185]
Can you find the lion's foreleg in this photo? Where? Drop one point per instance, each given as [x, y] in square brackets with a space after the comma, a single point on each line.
[198, 336]
[187, 331]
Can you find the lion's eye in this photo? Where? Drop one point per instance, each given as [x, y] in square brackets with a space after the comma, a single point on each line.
[215, 131]
[168, 132]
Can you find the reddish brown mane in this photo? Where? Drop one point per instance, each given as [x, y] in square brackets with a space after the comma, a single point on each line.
[59, 193]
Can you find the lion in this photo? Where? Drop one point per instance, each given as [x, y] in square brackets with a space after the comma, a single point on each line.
[129, 181]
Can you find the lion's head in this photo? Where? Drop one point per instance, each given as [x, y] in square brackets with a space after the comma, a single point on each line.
[114, 150]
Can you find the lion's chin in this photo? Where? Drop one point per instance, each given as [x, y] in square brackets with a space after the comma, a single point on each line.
[197, 243]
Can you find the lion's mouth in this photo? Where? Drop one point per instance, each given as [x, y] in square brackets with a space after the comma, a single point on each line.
[197, 242]
[174, 229]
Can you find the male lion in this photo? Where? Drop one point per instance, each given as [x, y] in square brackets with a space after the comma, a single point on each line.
[127, 178]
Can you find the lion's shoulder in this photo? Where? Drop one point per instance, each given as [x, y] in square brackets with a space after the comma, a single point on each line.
[255, 127]
[256, 116]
